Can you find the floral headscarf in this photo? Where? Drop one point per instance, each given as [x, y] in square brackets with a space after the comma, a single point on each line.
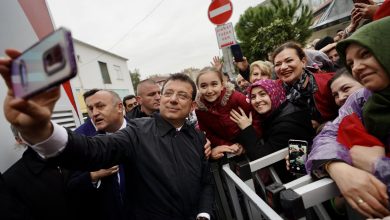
[275, 91]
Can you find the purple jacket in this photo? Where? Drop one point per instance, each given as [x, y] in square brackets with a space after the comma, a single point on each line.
[325, 145]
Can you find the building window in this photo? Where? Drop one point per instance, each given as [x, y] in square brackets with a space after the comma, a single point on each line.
[104, 71]
[119, 74]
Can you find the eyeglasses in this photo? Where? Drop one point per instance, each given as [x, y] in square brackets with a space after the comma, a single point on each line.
[180, 95]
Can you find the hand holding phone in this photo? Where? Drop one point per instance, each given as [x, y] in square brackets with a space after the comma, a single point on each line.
[237, 53]
[297, 151]
[46, 64]
[362, 1]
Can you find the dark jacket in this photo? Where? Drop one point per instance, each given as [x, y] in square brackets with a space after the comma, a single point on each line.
[166, 171]
[39, 187]
[285, 123]
[87, 129]
[11, 207]
[104, 202]
[136, 113]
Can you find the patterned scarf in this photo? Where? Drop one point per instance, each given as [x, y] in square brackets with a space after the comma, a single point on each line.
[302, 93]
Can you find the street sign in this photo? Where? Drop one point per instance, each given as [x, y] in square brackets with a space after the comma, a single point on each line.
[220, 11]
[225, 35]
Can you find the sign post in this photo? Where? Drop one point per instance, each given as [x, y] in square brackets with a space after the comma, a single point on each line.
[225, 35]
[219, 13]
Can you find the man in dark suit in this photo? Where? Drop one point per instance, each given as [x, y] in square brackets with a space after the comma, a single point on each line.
[164, 155]
[98, 194]
[34, 189]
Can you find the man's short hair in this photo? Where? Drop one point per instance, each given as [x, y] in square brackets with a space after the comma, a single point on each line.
[184, 78]
[128, 97]
[90, 93]
[145, 81]
[116, 98]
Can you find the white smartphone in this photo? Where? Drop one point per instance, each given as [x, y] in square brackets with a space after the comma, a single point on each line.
[44, 65]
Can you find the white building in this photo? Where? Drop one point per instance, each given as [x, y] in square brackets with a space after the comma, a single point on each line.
[100, 69]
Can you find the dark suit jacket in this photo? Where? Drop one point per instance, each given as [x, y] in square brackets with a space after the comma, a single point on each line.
[38, 187]
[105, 202]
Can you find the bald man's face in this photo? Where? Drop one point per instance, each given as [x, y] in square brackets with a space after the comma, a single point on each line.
[149, 97]
[105, 111]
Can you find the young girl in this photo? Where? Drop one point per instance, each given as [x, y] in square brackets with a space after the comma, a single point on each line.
[215, 101]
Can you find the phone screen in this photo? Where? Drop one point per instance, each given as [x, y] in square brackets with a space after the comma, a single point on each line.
[297, 150]
[237, 53]
[46, 64]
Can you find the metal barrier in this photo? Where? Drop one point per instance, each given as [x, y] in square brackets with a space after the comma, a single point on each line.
[256, 207]
[293, 197]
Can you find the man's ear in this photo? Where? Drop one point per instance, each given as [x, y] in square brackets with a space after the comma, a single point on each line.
[193, 106]
[139, 99]
[120, 106]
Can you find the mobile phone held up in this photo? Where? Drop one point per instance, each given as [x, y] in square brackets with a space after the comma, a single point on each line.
[297, 151]
[362, 1]
[44, 65]
[237, 53]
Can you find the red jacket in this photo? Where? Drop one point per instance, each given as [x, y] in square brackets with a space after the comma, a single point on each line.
[214, 118]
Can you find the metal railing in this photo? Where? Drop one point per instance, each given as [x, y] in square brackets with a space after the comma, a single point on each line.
[296, 196]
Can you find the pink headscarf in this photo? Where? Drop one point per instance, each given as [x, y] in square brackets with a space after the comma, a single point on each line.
[273, 89]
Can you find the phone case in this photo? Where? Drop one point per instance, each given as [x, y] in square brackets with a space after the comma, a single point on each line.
[44, 65]
[237, 53]
[297, 150]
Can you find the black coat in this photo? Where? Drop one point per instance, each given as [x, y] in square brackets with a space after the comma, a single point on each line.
[167, 176]
[37, 187]
[90, 202]
[287, 122]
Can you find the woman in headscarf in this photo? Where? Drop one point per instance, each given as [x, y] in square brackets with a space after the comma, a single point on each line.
[362, 172]
[282, 121]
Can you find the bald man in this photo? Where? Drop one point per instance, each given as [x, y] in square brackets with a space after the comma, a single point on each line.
[148, 98]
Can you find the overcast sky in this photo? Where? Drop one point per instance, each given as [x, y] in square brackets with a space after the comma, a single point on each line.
[157, 36]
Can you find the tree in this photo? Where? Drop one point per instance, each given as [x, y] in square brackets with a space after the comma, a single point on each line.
[262, 28]
[135, 78]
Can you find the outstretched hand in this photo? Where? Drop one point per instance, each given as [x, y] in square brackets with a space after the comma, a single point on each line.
[367, 11]
[30, 116]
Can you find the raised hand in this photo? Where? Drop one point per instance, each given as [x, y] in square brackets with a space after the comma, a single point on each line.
[217, 63]
[243, 65]
[30, 116]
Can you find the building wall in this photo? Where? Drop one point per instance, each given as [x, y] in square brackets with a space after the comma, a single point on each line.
[89, 74]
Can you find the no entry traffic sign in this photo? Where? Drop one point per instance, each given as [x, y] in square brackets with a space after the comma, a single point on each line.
[220, 11]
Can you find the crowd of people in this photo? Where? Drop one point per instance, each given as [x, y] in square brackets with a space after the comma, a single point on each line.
[147, 156]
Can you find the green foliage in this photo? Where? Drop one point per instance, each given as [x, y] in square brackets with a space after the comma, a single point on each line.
[262, 28]
[135, 78]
